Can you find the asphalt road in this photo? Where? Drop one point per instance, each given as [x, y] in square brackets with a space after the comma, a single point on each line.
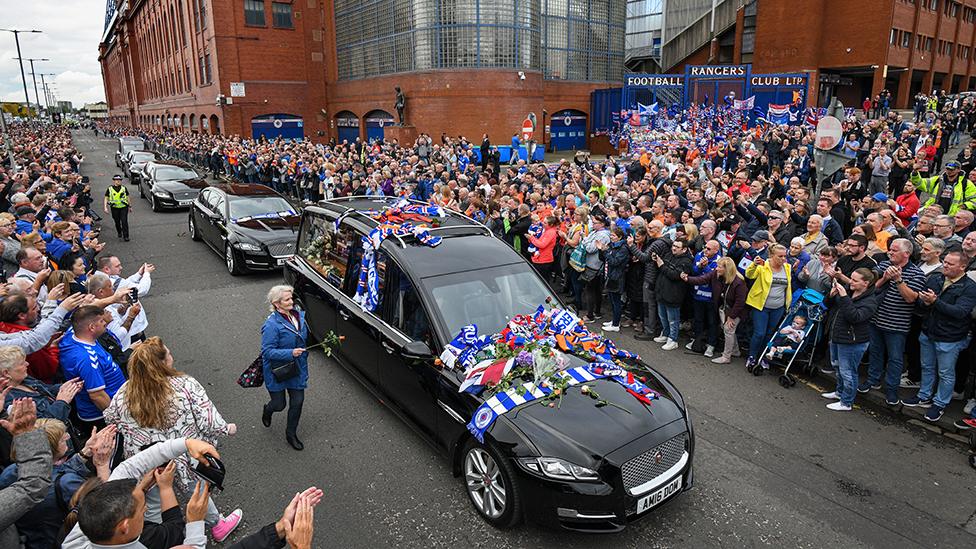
[773, 466]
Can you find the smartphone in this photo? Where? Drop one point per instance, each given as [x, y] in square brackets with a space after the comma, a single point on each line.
[133, 295]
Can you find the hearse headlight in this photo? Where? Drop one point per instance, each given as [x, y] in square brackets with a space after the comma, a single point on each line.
[248, 246]
[558, 469]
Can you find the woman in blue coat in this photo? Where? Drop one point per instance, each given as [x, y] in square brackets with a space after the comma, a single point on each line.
[282, 342]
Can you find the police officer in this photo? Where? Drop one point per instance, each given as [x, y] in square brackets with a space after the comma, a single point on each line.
[117, 197]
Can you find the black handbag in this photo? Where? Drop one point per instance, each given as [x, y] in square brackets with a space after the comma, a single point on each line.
[253, 375]
[284, 372]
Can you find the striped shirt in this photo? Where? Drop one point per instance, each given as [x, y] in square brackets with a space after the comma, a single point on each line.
[894, 313]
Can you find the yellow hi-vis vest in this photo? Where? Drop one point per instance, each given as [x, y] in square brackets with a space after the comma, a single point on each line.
[118, 198]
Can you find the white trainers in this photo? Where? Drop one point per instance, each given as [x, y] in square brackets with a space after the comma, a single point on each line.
[690, 345]
[709, 351]
[968, 408]
[661, 339]
[838, 407]
[608, 323]
[721, 360]
[831, 395]
[957, 396]
[611, 328]
[670, 345]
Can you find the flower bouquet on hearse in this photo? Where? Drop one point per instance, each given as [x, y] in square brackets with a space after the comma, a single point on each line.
[529, 360]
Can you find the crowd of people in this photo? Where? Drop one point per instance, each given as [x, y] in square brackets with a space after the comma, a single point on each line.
[104, 442]
[705, 248]
[713, 240]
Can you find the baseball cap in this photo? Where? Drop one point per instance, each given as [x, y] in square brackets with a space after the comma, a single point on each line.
[732, 219]
[882, 197]
[760, 236]
[24, 210]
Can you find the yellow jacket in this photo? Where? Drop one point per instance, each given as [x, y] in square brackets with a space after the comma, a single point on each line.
[763, 276]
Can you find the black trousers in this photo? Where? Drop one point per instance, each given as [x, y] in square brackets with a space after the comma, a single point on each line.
[296, 398]
[121, 218]
[594, 296]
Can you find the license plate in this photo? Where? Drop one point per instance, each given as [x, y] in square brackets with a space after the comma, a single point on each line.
[282, 261]
[661, 494]
[185, 202]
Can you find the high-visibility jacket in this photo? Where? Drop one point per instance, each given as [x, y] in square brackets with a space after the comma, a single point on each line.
[118, 197]
[963, 191]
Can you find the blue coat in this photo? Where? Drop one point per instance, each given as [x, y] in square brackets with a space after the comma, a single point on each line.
[278, 338]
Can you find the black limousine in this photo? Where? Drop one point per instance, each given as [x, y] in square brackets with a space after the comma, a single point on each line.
[578, 467]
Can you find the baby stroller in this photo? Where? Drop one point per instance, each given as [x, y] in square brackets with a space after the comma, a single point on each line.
[807, 304]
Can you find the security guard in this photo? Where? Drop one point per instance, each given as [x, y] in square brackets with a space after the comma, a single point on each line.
[117, 196]
[951, 190]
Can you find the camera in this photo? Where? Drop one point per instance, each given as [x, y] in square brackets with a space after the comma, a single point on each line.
[133, 295]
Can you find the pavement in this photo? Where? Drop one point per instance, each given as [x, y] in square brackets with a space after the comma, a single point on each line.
[774, 467]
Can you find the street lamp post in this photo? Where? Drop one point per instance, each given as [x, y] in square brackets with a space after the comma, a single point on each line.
[23, 78]
[44, 87]
[34, 78]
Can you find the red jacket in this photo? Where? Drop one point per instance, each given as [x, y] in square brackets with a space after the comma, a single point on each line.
[544, 244]
[909, 207]
[43, 364]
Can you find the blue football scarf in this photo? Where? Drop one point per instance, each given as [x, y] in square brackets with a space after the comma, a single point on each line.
[497, 405]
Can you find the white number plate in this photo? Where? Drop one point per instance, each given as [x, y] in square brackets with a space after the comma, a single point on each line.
[282, 261]
[185, 202]
[661, 494]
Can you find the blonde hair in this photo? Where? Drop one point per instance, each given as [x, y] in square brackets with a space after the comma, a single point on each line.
[59, 276]
[276, 293]
[10, 356]
[149, 394]
[53, 429]
[730, 270]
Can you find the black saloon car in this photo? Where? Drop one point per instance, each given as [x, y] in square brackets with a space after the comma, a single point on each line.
[133, 163]
[250, 225]
[128, 143]
[169, 185]
[578, 467]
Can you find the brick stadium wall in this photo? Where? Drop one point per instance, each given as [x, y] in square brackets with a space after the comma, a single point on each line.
[463, 102]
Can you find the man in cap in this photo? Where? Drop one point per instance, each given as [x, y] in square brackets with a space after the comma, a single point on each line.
[117, 198]
[25, 219]
[951, 190]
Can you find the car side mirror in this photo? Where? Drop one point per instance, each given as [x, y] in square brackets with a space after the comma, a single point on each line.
[417, 350]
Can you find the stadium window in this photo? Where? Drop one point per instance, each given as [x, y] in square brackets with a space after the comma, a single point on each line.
[254, 13]
[906, 39]
[894, 37]
[281, 15]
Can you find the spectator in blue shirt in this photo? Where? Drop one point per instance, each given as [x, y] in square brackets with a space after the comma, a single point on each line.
[81, 356]
[25, 220]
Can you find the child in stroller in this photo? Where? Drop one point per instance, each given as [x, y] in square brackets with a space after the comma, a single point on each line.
[786, 340]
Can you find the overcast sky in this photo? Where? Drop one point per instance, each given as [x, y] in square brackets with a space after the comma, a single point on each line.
[72, 29]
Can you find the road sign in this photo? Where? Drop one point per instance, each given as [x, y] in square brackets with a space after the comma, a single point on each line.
[829, 133]
[527, 129]
[237, 89]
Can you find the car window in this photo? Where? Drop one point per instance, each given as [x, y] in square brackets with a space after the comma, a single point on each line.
[206, 197]
[405, 311]
[250, 206]
[326, 250]
[217, 204]
[174, 173]
[355, 266]
[488, 298]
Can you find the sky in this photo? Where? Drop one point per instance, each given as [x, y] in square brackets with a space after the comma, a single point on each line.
[71, 32]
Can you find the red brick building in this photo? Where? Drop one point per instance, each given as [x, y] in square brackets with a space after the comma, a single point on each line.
[330, 67]
[851, 48]
[165, 63]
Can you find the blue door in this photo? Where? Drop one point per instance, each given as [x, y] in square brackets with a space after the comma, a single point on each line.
[272, 126]
[347, 124]
[567, 130]
[375, 122]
